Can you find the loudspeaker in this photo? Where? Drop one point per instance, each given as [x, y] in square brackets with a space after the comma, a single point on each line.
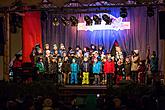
[162, 24]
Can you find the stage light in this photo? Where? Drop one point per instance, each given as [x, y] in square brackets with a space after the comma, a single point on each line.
[150, 11]
[107, 19]
[55, 21]
[74, 21]
[88, 20]
[123, 12]
[96, 19]
[64, 20]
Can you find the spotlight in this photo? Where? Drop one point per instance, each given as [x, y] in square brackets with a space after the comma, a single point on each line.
[88, 20]
[55, 21]
[97, 19]
[123, 12]
[150, 11]
[64, 20]
[74, 21]
[107, 19]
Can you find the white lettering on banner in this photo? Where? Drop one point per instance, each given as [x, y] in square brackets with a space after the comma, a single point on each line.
[117, 24]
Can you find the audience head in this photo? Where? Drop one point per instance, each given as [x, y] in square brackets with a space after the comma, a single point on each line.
[47, 102]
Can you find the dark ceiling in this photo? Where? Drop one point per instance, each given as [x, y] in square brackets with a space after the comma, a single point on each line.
[58, 3]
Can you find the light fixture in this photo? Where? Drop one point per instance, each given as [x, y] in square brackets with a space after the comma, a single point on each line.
[123, 12]
[74, 21]
[150, 11]
[107, 19]
[64, 20]
[88, 20]
[55, 21]
[97, 19]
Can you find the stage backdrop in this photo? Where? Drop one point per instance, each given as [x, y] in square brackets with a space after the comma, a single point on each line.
[31, 33]
[142, 32]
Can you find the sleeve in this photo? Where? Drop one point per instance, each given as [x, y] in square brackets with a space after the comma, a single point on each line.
[70, 67]
[105, 65]
[78, 68]
[113, 66]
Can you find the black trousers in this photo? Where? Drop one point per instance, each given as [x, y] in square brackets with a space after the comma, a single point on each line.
[110, 79]
[134, 76]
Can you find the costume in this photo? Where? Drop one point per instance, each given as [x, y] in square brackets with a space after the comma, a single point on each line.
[60, 80]
[47, 63]
[40, 69]
[109, 69]
[46, 47]
[86, 52]
[120, 70]
[61, 50]
[16, 67]
[141, 72]
[100, 49]
[92, 48]
[85, 69]
[134, 65]
[154, 66]
[97, 68]
[127, 68]
[119, 62]
[54, 49]
[74, 71]
[53, 70]
[65, 71]
[35, 54]
[17, 63]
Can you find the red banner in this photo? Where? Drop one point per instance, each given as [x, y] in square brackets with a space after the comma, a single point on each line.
[31, 33]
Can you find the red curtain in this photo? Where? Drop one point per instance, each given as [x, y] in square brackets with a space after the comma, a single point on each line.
[31, 33]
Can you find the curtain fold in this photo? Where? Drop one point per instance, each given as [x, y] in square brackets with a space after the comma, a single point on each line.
[31, 33]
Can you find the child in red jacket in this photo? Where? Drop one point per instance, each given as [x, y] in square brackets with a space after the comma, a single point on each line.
[109, 69]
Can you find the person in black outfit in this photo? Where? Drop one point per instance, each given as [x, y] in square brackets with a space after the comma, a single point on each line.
[54, 70]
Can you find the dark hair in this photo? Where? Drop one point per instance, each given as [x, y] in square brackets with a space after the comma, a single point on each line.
[154, 53]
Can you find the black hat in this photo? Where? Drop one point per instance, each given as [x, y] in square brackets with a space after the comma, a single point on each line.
[18, 54]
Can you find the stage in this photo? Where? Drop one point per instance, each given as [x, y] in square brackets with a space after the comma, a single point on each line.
[68, 92]
[82, 87]
[81, 90]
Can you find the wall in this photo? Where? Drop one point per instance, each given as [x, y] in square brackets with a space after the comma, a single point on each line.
[15, 42]
[163, 49]
[15, 46]
[1, 67]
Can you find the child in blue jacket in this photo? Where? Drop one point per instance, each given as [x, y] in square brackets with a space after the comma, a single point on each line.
[97, 66]
[74, 71]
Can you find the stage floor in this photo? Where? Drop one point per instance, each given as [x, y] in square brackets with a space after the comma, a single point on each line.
[71, 87]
